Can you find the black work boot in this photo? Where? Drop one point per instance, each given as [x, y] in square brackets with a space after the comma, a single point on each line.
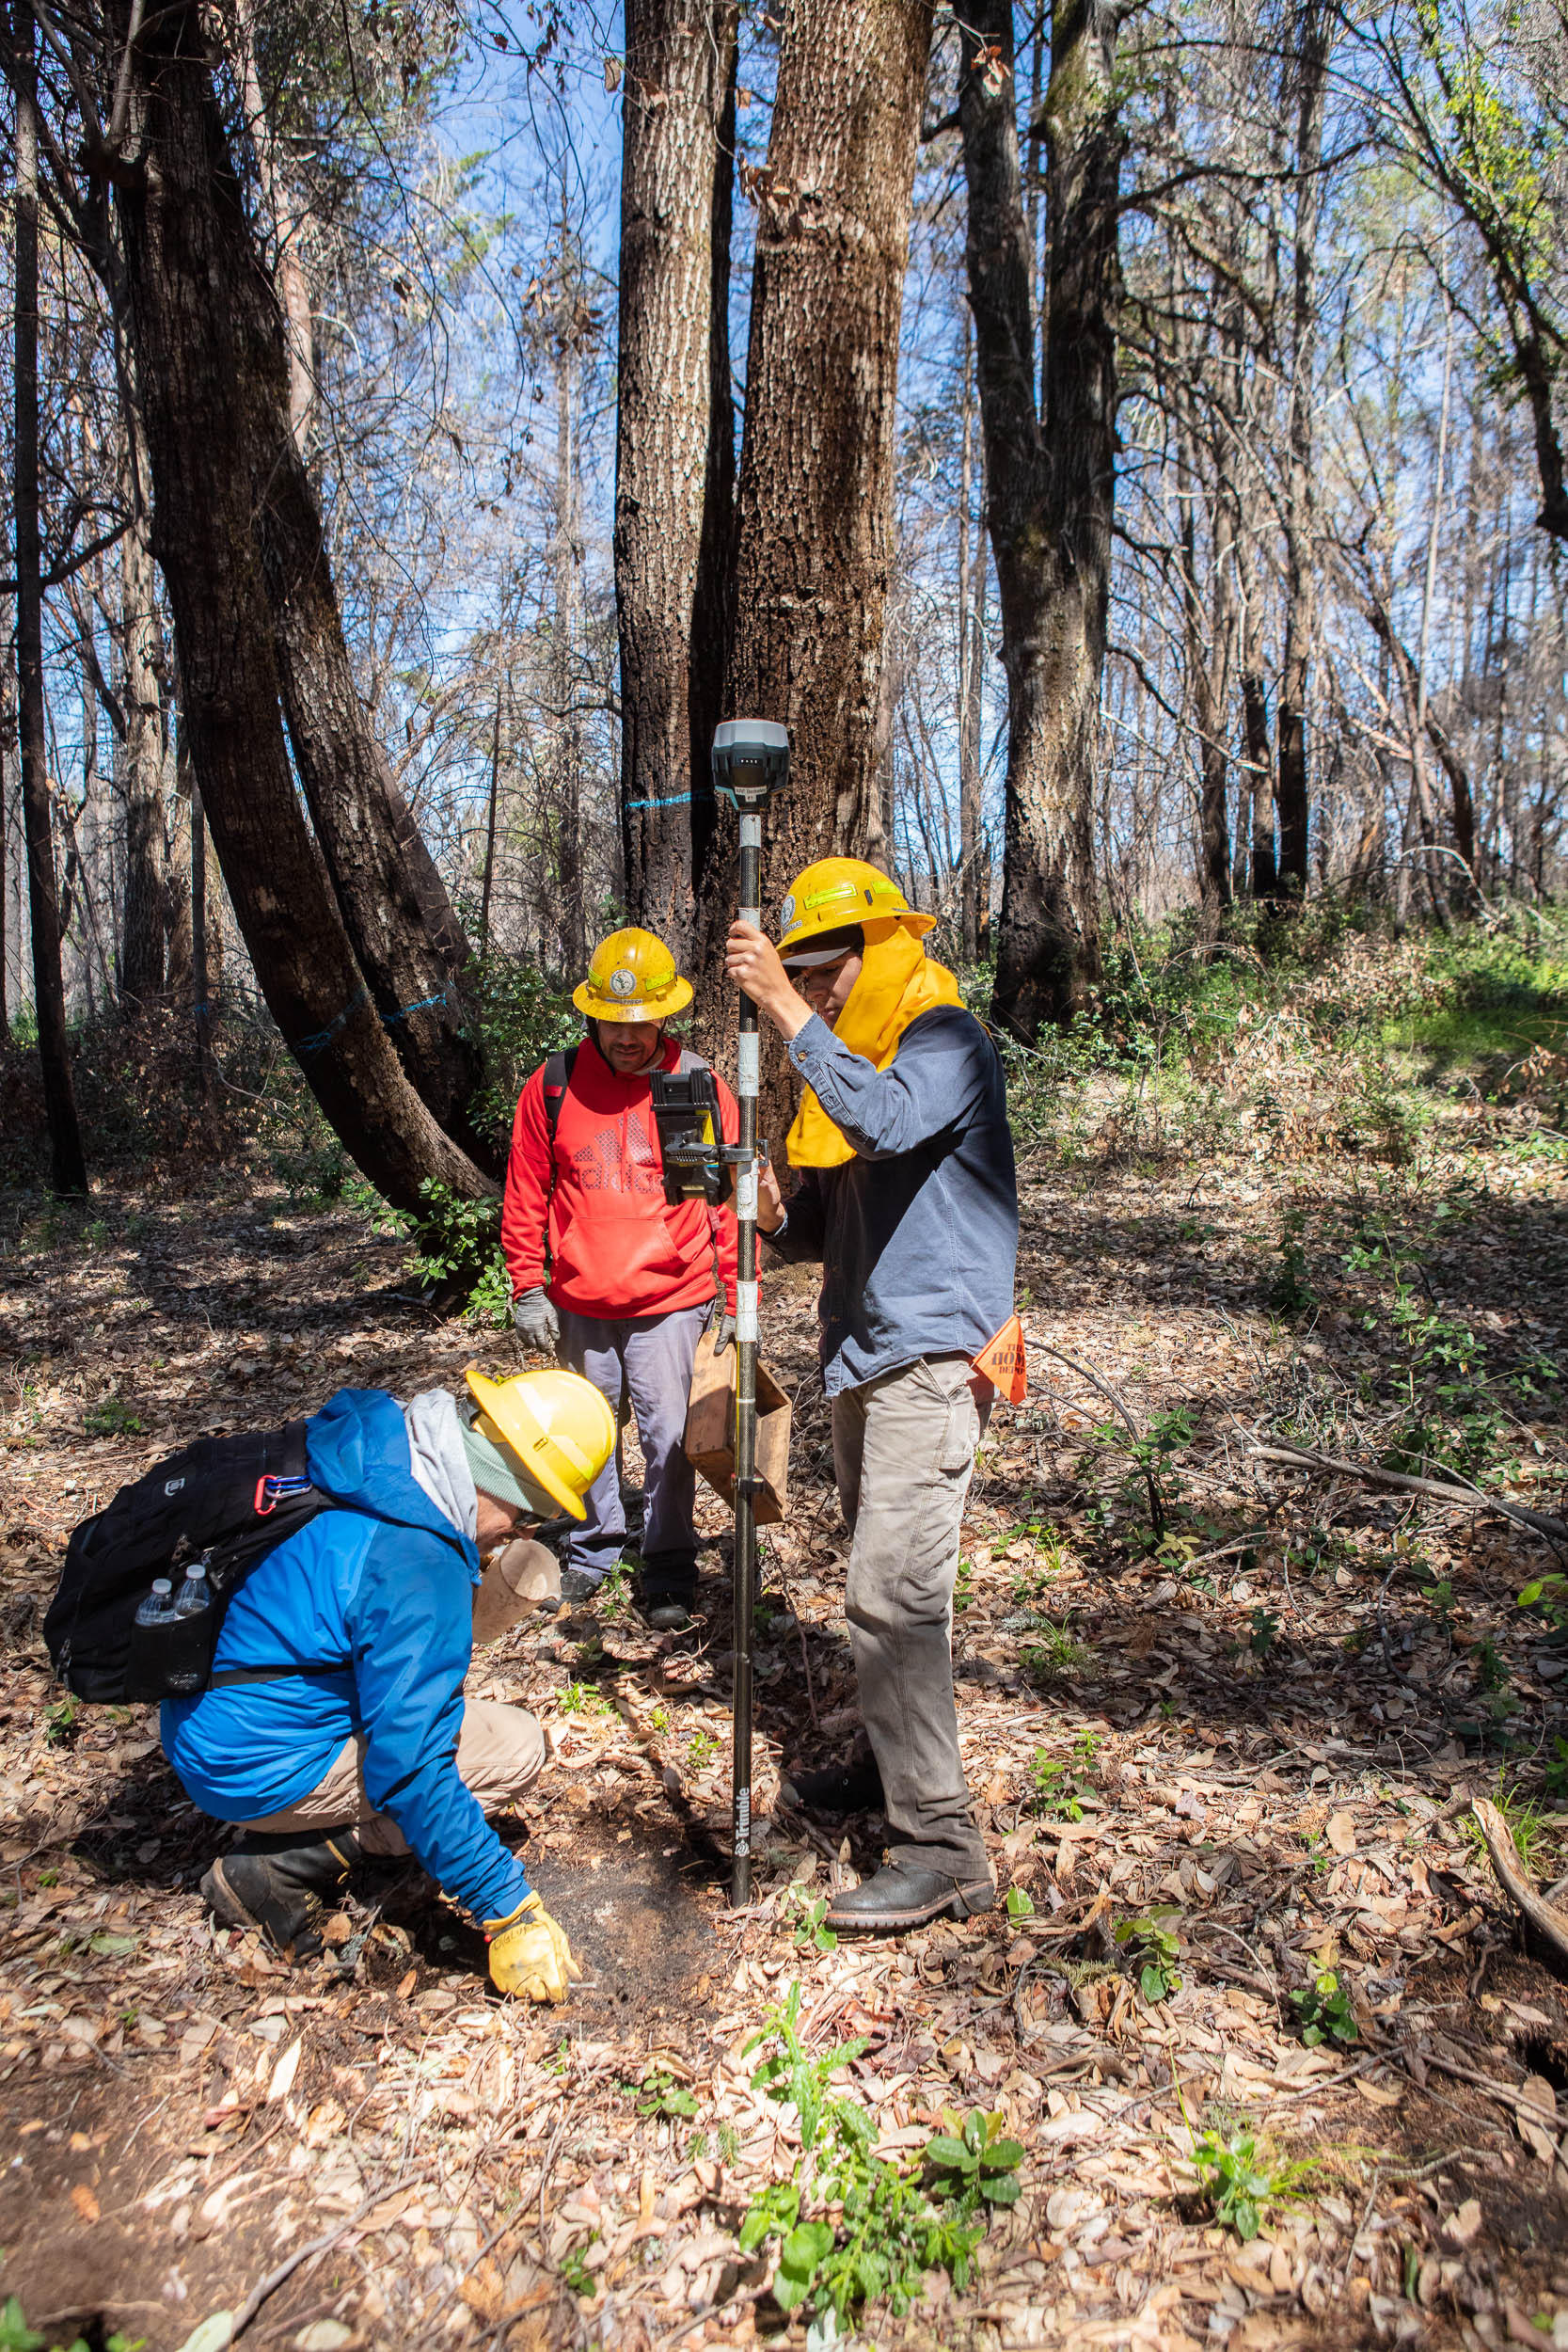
[852, 1787]
[904, 1894]
[667, 1592]
[280, 1882]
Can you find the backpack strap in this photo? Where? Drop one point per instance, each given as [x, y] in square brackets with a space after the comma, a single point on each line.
[689, 1061]
[557, 1078]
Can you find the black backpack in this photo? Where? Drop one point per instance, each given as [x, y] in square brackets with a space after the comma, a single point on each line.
[233, 1498]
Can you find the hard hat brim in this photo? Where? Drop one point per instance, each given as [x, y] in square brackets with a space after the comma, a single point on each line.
[875, 925]
[513, 1424]
[654, 1009]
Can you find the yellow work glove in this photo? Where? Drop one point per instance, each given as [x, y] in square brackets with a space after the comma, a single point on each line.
[530, 1954]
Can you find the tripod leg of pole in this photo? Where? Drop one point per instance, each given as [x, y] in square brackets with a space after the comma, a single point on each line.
[748, 1074]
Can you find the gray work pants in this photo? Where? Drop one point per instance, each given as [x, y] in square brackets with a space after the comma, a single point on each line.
[650, 1357]
[903, 1455]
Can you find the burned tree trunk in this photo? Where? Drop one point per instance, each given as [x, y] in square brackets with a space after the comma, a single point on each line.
[146, 907]
[195, 351]
[816, 499]
[1049, 481]
[1311, 68]
[67, 1164]
[674, 489]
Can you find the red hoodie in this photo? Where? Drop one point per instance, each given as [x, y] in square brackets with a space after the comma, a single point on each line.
[616, 1245]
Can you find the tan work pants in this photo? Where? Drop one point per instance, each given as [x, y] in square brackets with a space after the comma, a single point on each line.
[903, 1454]
[500, 1754]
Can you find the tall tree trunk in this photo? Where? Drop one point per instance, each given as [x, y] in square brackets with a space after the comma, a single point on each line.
[1208, 661]
[192, 337]
[393, 903]
[816, 499]
[67, 1164]
[969, 672]
[566, 561]
[142, 752]
[1051, 483]
[1311, 68]
[293, 294]
[8, 737]
[674, 466]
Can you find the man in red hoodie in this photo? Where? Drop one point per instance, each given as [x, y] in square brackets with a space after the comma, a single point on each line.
[605, 1271]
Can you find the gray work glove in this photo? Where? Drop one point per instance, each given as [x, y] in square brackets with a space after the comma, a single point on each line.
[724, 1331]
[538, 1324]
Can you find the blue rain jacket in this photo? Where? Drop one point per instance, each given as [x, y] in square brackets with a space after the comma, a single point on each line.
[918, 1232]
[385, 1584]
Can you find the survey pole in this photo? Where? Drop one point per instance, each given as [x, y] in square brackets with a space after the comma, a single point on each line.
[751, 762]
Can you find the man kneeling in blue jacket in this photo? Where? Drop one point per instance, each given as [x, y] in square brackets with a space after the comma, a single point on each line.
[335, 1724]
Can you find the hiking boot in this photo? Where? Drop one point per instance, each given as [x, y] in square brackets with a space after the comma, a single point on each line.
[854, 1788]
[668, 1609]
[280, 1885]
[577, 1586]
[903, 1894]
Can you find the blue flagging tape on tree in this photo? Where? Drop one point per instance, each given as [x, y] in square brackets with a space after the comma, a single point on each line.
[420, 1004]
[319, 1040]
[674, 800]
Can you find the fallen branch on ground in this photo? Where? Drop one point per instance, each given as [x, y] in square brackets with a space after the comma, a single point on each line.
[1547, 1922]
[1471, 1498]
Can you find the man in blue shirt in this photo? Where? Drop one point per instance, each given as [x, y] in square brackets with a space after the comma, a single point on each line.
[334, 1724]
[909, 1198]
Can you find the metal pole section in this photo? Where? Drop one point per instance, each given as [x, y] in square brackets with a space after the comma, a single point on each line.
[748, 1069]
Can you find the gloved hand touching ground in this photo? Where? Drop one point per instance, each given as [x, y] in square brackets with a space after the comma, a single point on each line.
[538, 1324]
[529, 1955]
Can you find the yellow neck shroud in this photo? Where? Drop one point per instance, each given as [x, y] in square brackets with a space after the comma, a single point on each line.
[898, 982]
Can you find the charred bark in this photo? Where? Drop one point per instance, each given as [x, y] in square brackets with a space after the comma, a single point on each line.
[1050, 480]
[67, 1171]
[195, 355]
[1311, 68]
[815, 497]
[674, 488]
[146, 903]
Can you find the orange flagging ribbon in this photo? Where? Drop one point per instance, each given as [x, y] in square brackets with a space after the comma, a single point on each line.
[1003, 1362]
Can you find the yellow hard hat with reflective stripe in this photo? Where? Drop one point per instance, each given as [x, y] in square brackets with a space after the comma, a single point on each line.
[838, 891]
[632, 977]
[557, 1424]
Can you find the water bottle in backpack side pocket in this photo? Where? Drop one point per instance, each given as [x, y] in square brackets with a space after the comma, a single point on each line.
[144, 1656]
[189, 1638]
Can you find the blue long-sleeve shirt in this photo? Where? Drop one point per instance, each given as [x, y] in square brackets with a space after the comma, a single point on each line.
[386, 1585]
[918, 1232]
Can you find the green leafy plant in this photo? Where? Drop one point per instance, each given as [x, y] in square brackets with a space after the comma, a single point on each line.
[456, 1253]
[16, 2336]
[1051, 1660]
[1265, 1632]
[1235, 2178]
[659, 2094]
[1153, 1950]
[658, 1720]
[111, 1417]
[1556, 1776]
[700, 1749]
[963, 1587]
[575, 2272]
[62, 1721]
[971, 2163]
[806, 1914]
[788, 2073]
[1325, 2011]
[581, 1698]
[1021, 1904]
[1056, 1796]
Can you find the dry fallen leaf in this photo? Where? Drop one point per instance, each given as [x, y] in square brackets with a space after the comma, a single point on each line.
[1463, 2224]
[283, 2074]
[1341, 1833]
[85, 2202]
[406, 1984]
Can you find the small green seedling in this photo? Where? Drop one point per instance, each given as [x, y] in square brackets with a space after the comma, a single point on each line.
[1153, 1952]
[970, 2163]
[805, 1915]
[1056, 1796]
[1019, 1904]
[1232, 2175]
[700, 1749]
[62, 1721]
[1325, 2011]
[575, 2273]
[659, 2094]
[1265, 1632]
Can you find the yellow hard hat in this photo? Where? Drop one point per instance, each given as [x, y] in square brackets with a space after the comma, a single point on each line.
[838, 891]
[632, 977]
[557, 1424]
